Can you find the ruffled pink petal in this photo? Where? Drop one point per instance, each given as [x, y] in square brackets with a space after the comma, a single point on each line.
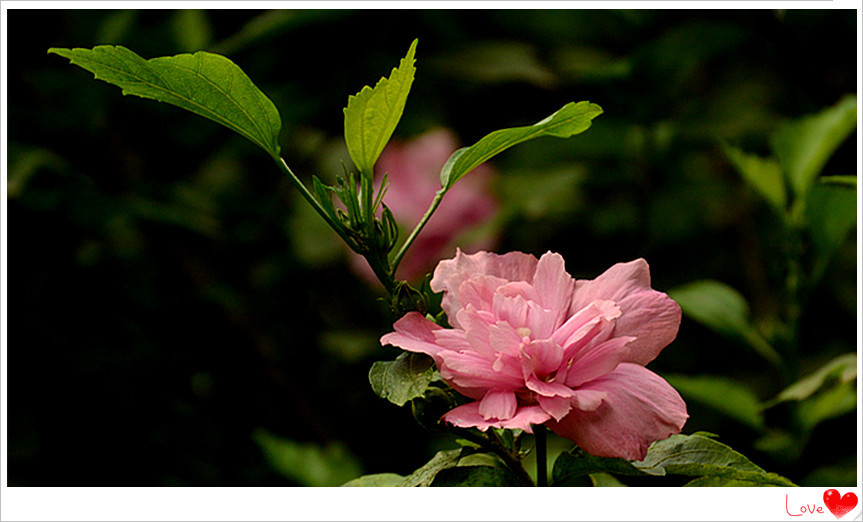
[557, 407]
[479, 291]
[640, 407]
[549, 389]
[588, 400]
[503, 338]
[512, 310]
[498, 404]
[648, 315]
[468, 416]
[469, 313]
[450, 339]
[451, 273]
[476, 332]
[554, 286]
[414, 333]
[594, 362]
[525, 417]
[541, 321]
[471, 370]
[614, 284]
[520, 312]
[584, 320]
[653, 319]
[519, 288]
[543, 357]
[590, 335]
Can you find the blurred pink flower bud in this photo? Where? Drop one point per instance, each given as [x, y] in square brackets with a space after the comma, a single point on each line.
[531, 345]
[413, 170]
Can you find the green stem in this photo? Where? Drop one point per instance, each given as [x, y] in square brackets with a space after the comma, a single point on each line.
[383, 273]
[541, 456]
[410, 239]
[368, 199]
[280, 162]
[492, 443]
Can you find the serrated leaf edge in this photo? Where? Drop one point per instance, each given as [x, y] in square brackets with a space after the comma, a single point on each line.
[364, 95]
[272, 148]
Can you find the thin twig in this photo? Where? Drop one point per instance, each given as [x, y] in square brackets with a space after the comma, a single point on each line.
[309, 197]
[410, 239]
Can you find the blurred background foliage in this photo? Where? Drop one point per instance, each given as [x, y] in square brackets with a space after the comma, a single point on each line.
[178, 316]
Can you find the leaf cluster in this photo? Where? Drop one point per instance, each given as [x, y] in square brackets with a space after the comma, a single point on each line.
[816, 213]
[701, 458]
[698, 455]
[214, 87]
[457, 467]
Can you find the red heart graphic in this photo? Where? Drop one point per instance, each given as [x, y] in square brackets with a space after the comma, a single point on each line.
[837, 505]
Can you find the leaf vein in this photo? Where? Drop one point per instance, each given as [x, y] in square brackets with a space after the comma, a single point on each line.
[252, 120]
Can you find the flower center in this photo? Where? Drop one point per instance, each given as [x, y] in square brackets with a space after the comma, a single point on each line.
[523, 332]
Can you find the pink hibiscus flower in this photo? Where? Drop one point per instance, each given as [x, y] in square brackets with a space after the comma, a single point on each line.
[531, 345]
[414, 178]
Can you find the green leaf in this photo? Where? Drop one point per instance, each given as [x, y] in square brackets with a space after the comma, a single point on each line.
[474, 476]
[843, 368]
[403, 379]
[605, 480]
[458, 467]
[372, 114]
[763, 174]
[570, 120]
[831, 215]
[690, 455]
[827, 404]
[826, 393]
[378, 480]
[577, 462]
[715, 305]
[723, 395]
[714, 481]
[307, 463]
[207, 84]
[698, 455]
[803, 146]
[426, 474]
[722, 308]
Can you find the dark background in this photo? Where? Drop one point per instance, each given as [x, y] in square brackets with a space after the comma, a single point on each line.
[176, 318]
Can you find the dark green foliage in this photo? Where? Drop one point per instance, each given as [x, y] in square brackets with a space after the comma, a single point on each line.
[697, 455]
[474, 476]
[577, 463]
[404, 379]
